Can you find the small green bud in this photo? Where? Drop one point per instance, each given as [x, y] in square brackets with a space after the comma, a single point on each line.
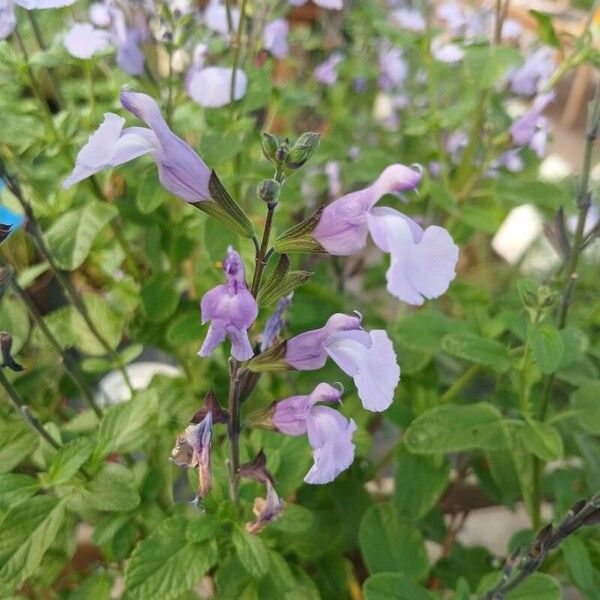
[269, 145]
[544, 295]
[268, 191]
[282, 152]
[303, 150]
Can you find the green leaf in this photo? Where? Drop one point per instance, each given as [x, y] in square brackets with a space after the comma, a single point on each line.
[98, 587]
[14, 319]
[453, 428]
[109, 324]
[185, 329]
[129, 425]
[580, 566]
[113, 489]
[388, 543]
[68, 460]
[166, 564]
[547, 346]
[393, 586]
[420, 481]
[586, 402]
[71, 237]
[15, 488]
[251, 551]
[477, 349]
[217, 240]
[159, 299]
[150, 194]
[281, 281]
[486, 65]
[17, 441]
[546, 32]
[542, 439]
[25, 534]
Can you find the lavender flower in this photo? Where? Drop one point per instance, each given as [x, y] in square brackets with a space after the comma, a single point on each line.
[83, 40]
[275, 38]
[528, 79]
[9, 221]
[392, 68]
[327, 72]
[8, 20]
[329, 432]
[43, 4]
[523, 129]
[127, 40]
[231, 310]
[215, 17]
[275, 323]
[422, 262]
[100, 14]
[211, 86]
[448, 53]
[410, 19]
[180, 169]
[367, 357]
[329, 4]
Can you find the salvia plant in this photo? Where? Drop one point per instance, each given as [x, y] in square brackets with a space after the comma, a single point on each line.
[294, 304]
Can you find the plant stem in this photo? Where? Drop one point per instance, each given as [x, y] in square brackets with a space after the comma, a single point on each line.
[169, 106]
[583, 204]
[261, 256]
[460, 383]
[71, 367]
[237, 44]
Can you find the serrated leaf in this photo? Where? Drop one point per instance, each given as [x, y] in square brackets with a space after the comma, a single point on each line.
[17, 441]
[453, 428]
[72, 236]
[68, 460]
[25, 534]
[477, 349]
[166, 564]
[389, 543]
[542, 439]
[547, 346]
[15, 488]
[586, 402]
[107, 322]
[420, 480]
[393, 586]
[184, 329]
[129, 425]
[251, 551]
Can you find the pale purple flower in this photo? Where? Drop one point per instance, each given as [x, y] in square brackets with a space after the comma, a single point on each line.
[127, 40]
[453, 15]
[83, 40]
[367, 357]
[8, 20]
[422, 262]
[211, 86]
[343, 227]
[275, 38]
[327, 72]
[410, 19]
[392, 68]
[532, 75]
[510, 160]
[538, 140]
[457, 141]
[215, 17]
[275, 323]
[334, 181]
[231, 310]
[43, 4]
[523, 129]
[265, 510]
[100, 14]
[180, 170]
[329, 432]
[448, 53]
[328, 4]
[511, 30]
[193, 449]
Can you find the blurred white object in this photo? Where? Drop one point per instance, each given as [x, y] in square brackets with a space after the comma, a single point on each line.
[520, 229]
[554, 168]
[113, 390]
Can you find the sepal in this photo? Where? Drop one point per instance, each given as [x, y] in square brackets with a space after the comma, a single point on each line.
[271, 360]
[299, 237]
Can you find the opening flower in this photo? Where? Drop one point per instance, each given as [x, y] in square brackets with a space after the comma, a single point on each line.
[180, 169]
[83, 40]
[422, 261]
[329, 432]
[231, 310]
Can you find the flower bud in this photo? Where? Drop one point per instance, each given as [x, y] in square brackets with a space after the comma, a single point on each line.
[268, 191]
[282, 152]
[269, 146]
[303, 150]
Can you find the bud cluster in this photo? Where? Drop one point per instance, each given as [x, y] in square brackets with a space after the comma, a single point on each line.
[288, 158]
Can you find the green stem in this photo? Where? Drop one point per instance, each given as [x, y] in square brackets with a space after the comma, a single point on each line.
[261, 256]
[236, 52]
[460, 383]
[234, 429]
